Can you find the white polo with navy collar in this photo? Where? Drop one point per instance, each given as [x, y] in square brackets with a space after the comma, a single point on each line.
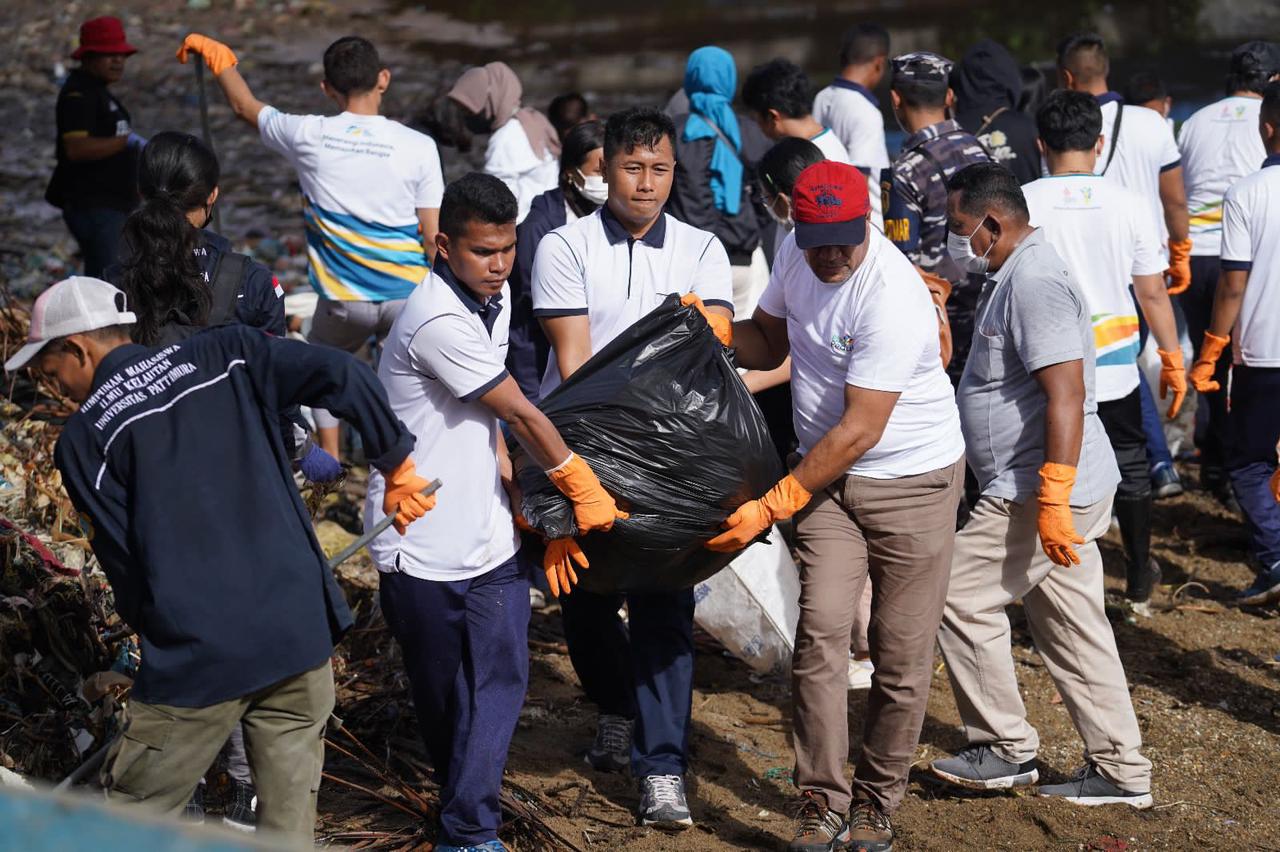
[445, 351]
[594, 268]
[1251, 243]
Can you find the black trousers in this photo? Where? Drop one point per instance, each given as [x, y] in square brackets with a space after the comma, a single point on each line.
[1122, 418]
[1212, 433]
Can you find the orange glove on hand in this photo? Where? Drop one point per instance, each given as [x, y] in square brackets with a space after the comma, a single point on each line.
[558, 563]
[215, 54]
[1275, 485]
[1173, 377]
[1057, 527]
[722, 326]
[1179, 271]
[1202, 369]
[754, 517]
[593, 508]
[403, 498]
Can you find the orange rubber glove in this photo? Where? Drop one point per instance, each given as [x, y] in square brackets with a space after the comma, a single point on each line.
[1179, 271]
[1202, 369]
[403, 497]
[1057, 527]
[593, 508]
[1173, 377]
[1275, 485]
[558, 563]
[215, 54]
[721, 325]
[755, 516]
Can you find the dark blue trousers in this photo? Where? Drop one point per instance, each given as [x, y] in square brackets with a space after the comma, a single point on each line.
[1152, 417]
[644, 672]
[466, 650]
[1251, 456]
[98, 232]
[1211, 433]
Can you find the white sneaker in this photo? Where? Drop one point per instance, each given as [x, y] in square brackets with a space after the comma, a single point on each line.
[537, 600]
[860, 672]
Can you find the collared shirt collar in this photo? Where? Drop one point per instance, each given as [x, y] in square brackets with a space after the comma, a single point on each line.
[112, 360]
[655, 237]
[487, 310]
[1273, 160]
[1035, 238]
[933, 131]
[1109, 98]
[842, 83]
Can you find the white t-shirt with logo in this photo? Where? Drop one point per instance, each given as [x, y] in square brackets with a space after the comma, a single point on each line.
[879, 331]
[510, 158]
[1220, 144]
[1103, 233]
[364, 178]
[1251, 241]
[1146, 149]
[439, 358]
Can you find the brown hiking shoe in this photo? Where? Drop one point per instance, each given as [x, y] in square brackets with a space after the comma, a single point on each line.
[818, 828]
[869, 828]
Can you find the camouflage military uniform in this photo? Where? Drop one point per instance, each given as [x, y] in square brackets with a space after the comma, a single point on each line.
[915, 201]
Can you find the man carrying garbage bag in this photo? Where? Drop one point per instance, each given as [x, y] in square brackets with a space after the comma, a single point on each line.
[592, 279]
[453, 591]
[874, 495]
[185, 491]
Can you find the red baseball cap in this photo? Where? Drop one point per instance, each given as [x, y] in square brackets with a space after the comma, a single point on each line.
[830, 204]
[102, 35]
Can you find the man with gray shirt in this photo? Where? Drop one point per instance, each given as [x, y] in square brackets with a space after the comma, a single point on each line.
[1031, 427]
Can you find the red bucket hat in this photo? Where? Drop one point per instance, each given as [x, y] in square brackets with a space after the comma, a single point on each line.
[103, 35]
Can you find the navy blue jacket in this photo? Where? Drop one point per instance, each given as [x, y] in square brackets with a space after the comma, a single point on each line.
[261, 302]
[176, 465]
[528, 349]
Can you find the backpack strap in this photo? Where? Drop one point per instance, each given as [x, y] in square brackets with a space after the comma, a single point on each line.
[228, 273]
[1115, 136]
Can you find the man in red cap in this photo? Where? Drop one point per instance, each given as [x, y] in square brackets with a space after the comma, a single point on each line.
[95, 180]
[874, 492]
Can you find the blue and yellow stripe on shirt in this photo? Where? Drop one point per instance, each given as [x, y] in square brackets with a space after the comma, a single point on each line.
[1206, 218]
[354, 260]
[1115, 339]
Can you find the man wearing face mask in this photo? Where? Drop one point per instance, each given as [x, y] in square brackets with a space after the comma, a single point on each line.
[1047, 475]
[874, 496]
[915, 190]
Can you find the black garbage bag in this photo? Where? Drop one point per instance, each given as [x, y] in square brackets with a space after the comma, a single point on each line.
[674, 435]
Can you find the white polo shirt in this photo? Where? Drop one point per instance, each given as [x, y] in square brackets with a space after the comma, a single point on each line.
[363, 178]
[1104, 234]
[510, 159]
[879, 331]
[593, 268]
[833, 148]
[445, 350]
[1146, 149]
[1251, 241]
[853, 114]
[1219, 144]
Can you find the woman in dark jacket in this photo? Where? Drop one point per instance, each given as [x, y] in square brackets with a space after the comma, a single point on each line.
[987, 84]
[581, 191]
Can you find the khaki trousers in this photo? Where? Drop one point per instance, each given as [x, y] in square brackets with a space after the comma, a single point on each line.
[998, 560]
[165, 750]
[898, 533]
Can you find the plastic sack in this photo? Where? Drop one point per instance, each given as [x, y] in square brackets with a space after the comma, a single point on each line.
[752, 608]
[674, 435]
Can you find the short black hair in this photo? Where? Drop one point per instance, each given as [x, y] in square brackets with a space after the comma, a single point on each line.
[1069, 121]
[1252, 66]
[1271, 104]
[637, 127]
[567, 110]
[476, 197]
[862, 43]
[921, 94]
[783, 163]
[1143, 87]
[1085, 56]
[985, 185]
[351, 65]
[578, 142]
[778, 84]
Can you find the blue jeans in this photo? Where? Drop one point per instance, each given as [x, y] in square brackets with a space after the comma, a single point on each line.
[1254, 427]
[466, 651]
[97, 230]
[1152, 425]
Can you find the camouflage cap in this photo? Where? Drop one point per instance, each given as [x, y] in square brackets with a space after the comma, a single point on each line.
[921, 66]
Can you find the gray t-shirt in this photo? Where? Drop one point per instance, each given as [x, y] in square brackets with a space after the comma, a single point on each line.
[1031, 315]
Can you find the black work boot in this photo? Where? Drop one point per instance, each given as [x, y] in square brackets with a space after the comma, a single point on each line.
[1134, 514]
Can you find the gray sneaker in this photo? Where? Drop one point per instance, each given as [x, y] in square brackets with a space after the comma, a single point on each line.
[1089, 787]
[977, 767]
[662, 803]
[818, 828]
[611, 751]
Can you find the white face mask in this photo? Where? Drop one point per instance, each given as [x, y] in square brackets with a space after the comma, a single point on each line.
[961, 250]
[787, 223]
[593, 188]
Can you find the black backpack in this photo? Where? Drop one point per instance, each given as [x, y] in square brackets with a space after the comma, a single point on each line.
[224, 283]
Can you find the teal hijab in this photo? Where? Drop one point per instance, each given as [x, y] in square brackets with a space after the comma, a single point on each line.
[710, 80]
